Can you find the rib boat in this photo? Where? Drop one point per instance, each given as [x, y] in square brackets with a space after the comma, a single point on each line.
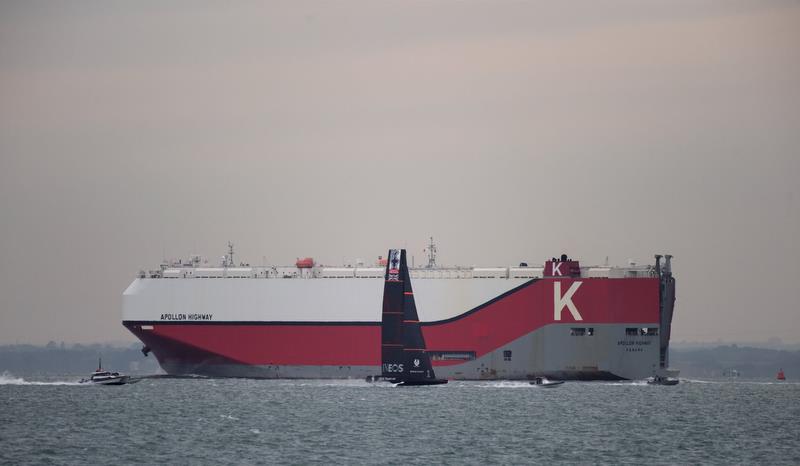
[544, 382]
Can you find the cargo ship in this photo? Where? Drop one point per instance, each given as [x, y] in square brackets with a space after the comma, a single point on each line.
[558, 320]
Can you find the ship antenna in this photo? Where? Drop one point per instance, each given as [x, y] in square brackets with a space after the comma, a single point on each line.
[431, 255]
[230, 254]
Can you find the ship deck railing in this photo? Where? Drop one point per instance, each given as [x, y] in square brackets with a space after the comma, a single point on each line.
[323, 272]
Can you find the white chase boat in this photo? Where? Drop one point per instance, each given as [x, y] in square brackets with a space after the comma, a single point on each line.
[103, 377]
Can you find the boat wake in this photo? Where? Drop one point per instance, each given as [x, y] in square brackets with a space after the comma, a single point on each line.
[742, 382]
[10, 379]
[351, 383]
[506, 384]
[703, 381]
[632, 383]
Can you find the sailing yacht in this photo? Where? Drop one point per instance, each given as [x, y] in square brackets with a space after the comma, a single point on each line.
[404, 359]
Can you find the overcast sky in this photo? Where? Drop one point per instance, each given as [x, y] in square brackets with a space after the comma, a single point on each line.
[510, 131]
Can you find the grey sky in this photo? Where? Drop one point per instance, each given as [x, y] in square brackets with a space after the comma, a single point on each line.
[509, 130]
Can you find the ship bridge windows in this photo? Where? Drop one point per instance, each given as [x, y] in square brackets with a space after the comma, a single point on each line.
[507, 355]
[581, 331]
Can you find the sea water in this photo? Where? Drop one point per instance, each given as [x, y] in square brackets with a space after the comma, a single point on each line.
[240, 421]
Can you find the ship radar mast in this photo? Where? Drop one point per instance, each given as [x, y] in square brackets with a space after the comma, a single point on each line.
[431, 250]
[230, 255]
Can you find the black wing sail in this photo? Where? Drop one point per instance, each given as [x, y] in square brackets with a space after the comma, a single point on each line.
[416, 357]
[403, 350]
[392, 362]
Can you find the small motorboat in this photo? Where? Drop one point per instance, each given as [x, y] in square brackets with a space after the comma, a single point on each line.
[544, 382]
[781, 375]
[103, 377]
[661, 380]
[731, 373]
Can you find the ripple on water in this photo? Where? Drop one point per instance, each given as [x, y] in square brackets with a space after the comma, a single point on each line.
[351, 421]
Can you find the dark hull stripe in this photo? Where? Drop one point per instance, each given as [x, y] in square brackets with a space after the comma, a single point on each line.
[487, 303]
[247, 322]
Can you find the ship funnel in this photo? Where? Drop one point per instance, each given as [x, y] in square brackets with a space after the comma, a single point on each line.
[658, 264]
[668, 264]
